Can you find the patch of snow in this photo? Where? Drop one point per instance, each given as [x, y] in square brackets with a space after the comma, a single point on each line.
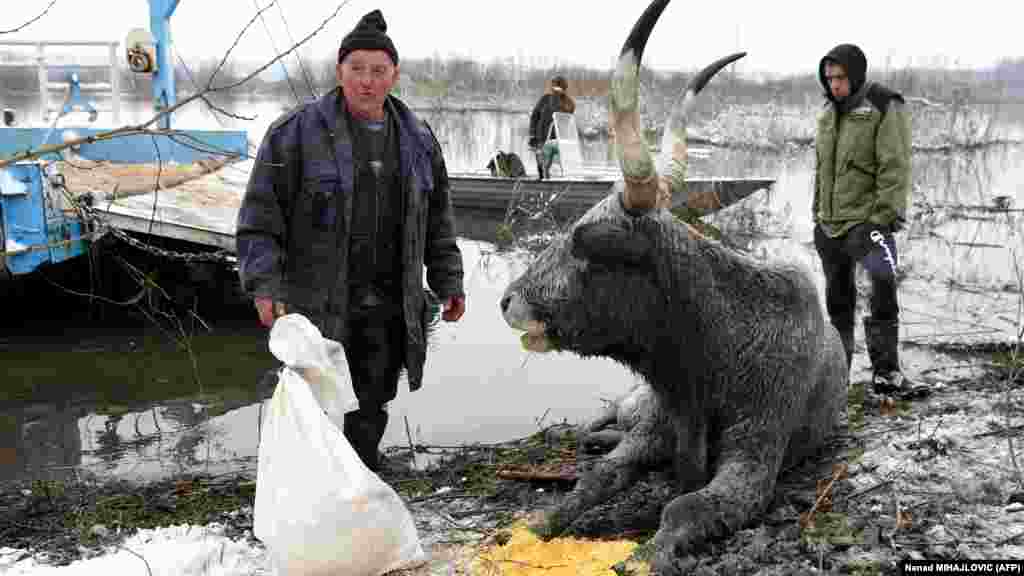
[182, 550]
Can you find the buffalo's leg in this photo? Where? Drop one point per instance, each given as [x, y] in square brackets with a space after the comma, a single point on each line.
[647, 444]
[595, 436]
[637, 509]
[601, 440]
[742, 486]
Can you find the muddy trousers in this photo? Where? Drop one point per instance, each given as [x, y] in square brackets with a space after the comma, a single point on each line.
[375, 348]
[874, 248]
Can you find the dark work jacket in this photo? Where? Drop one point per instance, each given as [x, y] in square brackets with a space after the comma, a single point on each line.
[541, 117]
[295, 218]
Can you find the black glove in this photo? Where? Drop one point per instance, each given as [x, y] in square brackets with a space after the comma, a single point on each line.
[532, 143]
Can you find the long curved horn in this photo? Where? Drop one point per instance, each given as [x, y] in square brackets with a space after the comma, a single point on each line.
[673, 142]
[639, 173]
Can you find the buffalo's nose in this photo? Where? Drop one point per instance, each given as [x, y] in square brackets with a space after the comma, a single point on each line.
[504, 303]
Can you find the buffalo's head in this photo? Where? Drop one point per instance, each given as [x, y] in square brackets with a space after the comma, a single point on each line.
[605, 288]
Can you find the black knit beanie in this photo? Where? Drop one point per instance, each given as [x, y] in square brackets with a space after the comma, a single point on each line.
[369, 34]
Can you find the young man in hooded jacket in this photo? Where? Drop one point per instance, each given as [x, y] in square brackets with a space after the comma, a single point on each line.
[348, 201]
[861, 189]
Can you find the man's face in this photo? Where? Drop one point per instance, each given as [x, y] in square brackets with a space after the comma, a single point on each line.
[837, 79]
[366, 77]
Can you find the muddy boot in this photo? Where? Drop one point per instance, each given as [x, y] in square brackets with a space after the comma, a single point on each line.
[364, 430]
[268, 383]
[882, 338]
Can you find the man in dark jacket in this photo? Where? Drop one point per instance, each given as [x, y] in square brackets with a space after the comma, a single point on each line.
[540, 124]
[346, 204]
[861, 189]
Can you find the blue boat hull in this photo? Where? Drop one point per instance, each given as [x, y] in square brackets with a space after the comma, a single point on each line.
[33, 227]
[34, 230]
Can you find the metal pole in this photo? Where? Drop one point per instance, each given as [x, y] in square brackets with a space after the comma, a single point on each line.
[115, 85]
[160, 12]
[44, 89]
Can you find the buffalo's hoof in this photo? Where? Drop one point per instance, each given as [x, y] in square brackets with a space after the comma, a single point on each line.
[666, 563]
[672, 553]
[552, 525]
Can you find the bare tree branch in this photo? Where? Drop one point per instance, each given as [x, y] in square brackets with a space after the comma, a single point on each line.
[238, 39]
[287, 52]
[30, 22]
[146, 127]
[216, 109]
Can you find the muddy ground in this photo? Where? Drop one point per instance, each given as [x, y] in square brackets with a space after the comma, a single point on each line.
[934, 478]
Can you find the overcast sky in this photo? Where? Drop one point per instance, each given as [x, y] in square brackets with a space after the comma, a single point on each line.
[781, 37]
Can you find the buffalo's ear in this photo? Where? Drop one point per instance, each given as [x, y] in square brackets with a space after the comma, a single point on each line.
[611, 244]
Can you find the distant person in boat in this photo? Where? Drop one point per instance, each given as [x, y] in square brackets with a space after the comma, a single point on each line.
[557, 100]
[348, 201]
[861, 190]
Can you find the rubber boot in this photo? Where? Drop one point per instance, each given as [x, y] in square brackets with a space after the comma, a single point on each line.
[364, 430]
[882, 339]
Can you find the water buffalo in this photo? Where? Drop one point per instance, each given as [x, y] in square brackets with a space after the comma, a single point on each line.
[747, 374]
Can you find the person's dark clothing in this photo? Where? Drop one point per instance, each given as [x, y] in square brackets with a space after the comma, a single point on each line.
[541, 117]
[875, 249]
[540, 125]
[374, 353]
[374, 260]
[338, 222]
[370, 33]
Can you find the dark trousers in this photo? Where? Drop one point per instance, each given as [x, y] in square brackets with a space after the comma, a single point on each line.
[875, 249]
[375, 349]
[541, 165]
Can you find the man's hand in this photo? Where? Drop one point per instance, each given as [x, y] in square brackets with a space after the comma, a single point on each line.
[454, 308]
[268, 310]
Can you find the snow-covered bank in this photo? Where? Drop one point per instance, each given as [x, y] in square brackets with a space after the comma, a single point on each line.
[182, 550]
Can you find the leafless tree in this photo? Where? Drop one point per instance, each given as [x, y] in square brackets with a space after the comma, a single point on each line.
[32, 21]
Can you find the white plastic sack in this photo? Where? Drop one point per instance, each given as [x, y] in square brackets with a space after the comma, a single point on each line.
[319, 510]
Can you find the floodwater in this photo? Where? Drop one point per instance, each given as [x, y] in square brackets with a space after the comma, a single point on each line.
[108, 392]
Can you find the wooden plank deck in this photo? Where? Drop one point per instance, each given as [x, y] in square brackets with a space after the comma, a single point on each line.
[202, 210]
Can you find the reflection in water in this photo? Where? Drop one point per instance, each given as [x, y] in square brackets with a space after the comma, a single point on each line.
[109, 442]
[39, 440]
[150, 444]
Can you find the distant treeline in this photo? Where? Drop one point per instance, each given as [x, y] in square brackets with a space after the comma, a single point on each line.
[502, 81]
